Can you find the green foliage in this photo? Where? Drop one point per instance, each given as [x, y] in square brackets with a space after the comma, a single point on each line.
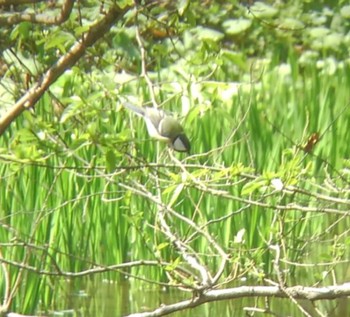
[81, 180]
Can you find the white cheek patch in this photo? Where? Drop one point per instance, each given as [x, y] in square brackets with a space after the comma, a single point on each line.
[179, 146]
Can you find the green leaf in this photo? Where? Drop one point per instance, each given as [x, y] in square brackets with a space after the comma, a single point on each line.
[329, 41]
[22, 30]
[292, 24]
[176, 194]
[73, 109]
[183, 5]
[318, 32]
[249, 188]
[173, 265]
[194, 114]
[123, 42]
[162, 246]
[208, 34]
[263, 11]
[333, 40]
[125, 3]
[60, 39]
[111, 161]
[237, 58]
[345, 12]
[233, 27]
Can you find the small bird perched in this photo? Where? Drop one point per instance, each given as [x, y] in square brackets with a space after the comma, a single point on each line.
[163, 127]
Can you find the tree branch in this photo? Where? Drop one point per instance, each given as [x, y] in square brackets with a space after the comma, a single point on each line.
[15, 18]
[65, 62]
[297, 292]
[17, 2]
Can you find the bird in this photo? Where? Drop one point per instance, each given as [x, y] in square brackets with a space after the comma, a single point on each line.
[163, 127]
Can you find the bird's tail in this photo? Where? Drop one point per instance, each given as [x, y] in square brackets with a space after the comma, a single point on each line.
[134, 108]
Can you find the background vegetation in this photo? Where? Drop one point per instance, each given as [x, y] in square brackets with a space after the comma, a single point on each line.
[262, 89]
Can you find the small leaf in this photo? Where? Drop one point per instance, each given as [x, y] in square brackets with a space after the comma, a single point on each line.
[236, 26]
[263, 11]
[329, 41]
[333, 40]
[183, 5]
[176, 194]
[22, 30]
[236, 57]
[208, 34]
[252, 186]
[173, 265]
[345, 12]
[292, 24]
[111, 161]
[318, 32]
[162, 246]
[125, 3]
[72, 110]
[59, 40]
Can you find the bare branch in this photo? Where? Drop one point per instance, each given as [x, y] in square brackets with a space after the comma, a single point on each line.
[65, 62]
[17, 2]
[7, 281]
[15, 18]
[144, 72]
[94, 270]
[207, 281]
[297, 292]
